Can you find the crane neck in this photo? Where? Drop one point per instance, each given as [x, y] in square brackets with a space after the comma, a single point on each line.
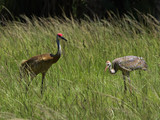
[59, 47]
[112, 71]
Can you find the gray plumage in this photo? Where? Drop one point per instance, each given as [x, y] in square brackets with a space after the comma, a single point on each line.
[129, 63]
[126, 65]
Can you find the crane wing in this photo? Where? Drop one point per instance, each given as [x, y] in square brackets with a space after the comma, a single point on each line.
[130, 63]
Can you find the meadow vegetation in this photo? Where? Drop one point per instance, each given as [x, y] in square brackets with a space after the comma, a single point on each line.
[76, 87]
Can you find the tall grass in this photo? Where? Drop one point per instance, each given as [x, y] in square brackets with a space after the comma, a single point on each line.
[76, 87]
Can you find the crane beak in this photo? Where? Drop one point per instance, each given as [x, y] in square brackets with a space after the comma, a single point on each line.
[64, 38]
[106, 68]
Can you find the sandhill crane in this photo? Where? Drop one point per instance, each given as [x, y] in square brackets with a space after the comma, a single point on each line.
[126, 65]
[40, 63]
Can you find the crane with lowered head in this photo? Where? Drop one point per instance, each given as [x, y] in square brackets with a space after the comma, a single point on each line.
[40, 63]
[126, 64]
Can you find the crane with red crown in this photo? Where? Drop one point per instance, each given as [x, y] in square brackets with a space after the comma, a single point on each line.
[40, 63]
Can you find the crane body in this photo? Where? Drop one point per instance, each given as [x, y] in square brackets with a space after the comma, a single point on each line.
[126, 64]
[40, 63]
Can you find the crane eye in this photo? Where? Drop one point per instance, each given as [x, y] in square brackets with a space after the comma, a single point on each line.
[108, 64]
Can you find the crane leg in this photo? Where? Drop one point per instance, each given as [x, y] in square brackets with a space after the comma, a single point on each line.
[125, 87]
[43, 76]
[130, 86]
[29, 82]
[140, 73]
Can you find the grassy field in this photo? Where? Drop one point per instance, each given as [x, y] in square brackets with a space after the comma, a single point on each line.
[76, 87]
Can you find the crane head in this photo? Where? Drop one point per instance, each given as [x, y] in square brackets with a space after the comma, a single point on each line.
[59, 35]
[108, 64]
